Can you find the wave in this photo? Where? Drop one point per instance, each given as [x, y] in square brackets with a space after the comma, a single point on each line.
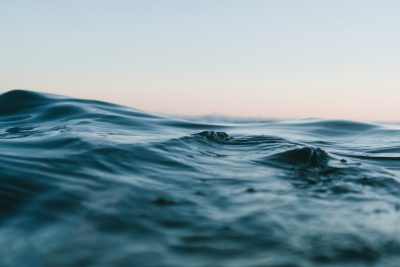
[90, 183]
[305, 156]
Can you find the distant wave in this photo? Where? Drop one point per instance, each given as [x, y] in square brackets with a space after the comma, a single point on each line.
[89, 183]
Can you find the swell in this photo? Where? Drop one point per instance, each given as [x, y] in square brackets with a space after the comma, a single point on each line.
[339, 125]
[80, 179]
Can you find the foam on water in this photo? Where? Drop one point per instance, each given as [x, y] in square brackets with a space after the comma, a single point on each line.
[88, 183]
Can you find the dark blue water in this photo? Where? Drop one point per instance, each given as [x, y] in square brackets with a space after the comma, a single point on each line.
[87, 183]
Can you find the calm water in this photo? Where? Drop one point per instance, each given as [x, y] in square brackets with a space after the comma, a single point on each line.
[86, 183]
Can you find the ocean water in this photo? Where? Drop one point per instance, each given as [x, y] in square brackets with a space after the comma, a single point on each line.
[87, 183]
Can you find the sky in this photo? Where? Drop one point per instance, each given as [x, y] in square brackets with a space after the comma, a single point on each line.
[274, 59]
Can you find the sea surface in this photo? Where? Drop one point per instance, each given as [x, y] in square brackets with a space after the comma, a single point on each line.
[88, 183]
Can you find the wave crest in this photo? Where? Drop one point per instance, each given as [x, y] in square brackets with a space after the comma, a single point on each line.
[304, 156]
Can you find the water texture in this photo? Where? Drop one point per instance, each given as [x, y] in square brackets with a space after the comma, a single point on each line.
[87, 183]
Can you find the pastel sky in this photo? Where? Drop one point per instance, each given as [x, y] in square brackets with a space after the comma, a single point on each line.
[274, 59]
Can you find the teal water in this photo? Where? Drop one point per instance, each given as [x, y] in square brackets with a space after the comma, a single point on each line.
[87, 183]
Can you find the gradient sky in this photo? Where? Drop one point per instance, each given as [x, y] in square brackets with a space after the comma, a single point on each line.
[274, 59]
